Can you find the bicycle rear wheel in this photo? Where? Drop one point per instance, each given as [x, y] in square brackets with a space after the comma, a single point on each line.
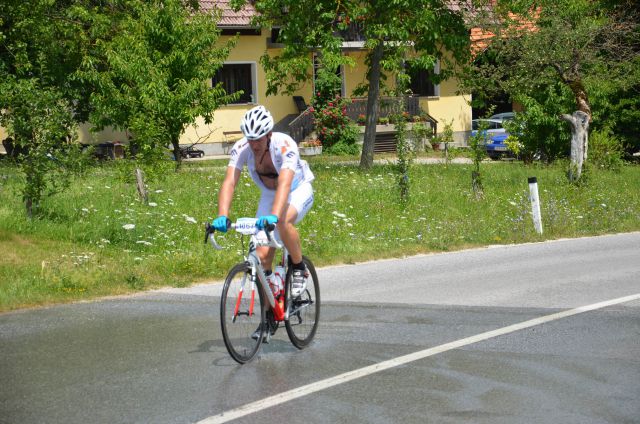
[241, 313]
[304, 311]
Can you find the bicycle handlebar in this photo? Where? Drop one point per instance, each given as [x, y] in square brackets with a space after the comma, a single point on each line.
[245, 226]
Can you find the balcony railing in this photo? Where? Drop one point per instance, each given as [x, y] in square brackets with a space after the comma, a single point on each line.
[303, 125]
[386, 107]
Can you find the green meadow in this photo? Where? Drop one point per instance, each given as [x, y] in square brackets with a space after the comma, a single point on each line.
[98, 239]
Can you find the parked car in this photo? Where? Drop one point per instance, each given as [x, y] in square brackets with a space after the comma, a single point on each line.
[495, 136]
[504, 116]
[191, 152]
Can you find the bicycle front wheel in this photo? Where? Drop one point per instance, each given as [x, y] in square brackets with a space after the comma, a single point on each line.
[242, 314]
[304, 311]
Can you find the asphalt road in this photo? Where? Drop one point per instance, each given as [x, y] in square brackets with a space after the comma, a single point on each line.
[158, 357]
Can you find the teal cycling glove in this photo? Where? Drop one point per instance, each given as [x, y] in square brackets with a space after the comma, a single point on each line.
[265, 220]
[221, 223]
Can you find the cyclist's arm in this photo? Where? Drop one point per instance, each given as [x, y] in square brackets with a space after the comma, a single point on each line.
[285, 178]
[226, 190]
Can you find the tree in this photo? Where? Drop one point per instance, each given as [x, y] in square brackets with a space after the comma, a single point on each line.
[40, 46]
[577, 43]
[425, 30]
[152, 77]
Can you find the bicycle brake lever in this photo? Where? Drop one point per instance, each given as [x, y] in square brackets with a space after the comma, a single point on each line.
[209, 235]
[208, 229]
[272, 240]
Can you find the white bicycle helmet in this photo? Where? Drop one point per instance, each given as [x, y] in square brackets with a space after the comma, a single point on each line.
[256, 123]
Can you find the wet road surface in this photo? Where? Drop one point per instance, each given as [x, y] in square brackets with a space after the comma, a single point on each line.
[159, 357]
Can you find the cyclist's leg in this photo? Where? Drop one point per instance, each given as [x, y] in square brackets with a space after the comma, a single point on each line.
[265, 253]
[300, 202]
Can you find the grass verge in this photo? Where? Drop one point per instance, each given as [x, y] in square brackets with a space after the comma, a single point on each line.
[98, 239]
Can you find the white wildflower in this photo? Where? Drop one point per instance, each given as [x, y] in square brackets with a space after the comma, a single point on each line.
[153, 204]
[129, 226]
[146, 243]
[190, 219]
[85, 210]
[159, 191]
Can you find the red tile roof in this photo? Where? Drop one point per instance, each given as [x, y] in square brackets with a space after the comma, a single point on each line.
[481, 38]
[230, 18]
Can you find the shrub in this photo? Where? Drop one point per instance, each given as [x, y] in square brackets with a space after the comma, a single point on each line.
[605, 150]
[333, 126]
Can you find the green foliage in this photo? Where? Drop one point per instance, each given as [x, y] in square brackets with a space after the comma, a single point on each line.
[40, 123]
[341, 148]
[40, 48]
[585, 58]
[605, 150]
[616, 105]
[153, 76]
[478, 153]
[406, 154]
[514, 145]
[422, 133]
[538, 128]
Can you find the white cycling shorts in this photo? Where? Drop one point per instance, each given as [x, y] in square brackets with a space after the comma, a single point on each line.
[301, 199]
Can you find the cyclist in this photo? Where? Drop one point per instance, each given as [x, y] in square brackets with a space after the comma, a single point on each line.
[284, 180]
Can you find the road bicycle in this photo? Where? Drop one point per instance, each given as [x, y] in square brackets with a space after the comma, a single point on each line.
[250, 312]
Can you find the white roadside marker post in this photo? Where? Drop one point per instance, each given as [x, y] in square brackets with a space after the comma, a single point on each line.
[535, 204]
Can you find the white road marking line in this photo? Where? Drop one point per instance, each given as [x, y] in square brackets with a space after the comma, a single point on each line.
[280, 398]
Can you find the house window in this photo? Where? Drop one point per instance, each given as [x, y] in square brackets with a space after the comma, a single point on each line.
[422, 81]
[339, 73]
[237, 77]
[275, 35]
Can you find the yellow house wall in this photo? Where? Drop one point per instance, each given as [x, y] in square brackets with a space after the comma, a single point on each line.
[355, 75]
[448, 106]
[85, 136]
[247, 50]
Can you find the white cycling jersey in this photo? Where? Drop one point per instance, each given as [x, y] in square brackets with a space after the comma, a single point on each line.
[284, 154]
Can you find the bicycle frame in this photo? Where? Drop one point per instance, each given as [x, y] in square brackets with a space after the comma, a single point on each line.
[257, 271]
[280, 313]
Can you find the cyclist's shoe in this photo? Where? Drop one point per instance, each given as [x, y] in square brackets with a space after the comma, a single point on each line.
[299, 282]
[265, 338]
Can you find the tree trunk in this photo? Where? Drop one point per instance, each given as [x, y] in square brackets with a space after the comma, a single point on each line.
[373, 100]
[579, 122]
[175, 142]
